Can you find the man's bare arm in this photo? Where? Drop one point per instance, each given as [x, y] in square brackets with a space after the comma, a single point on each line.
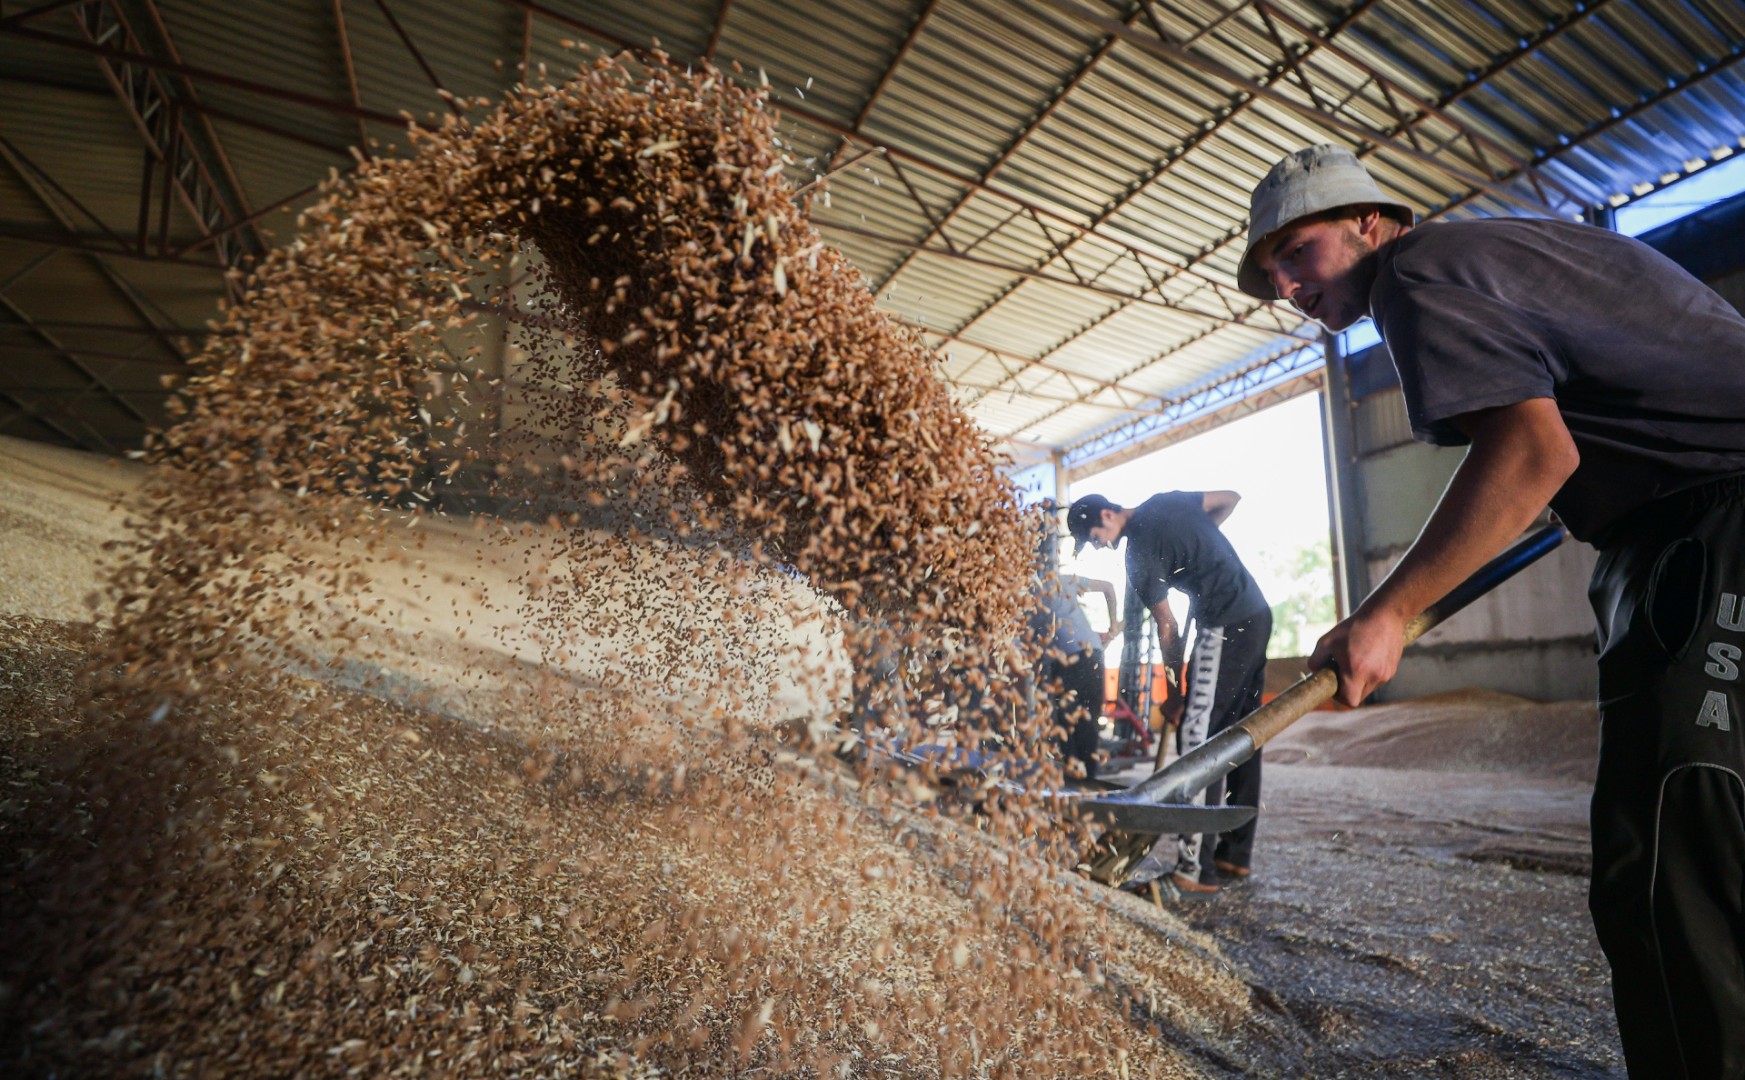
[1166, 628]
[1218, 504]
[1521, 455]
[1098, 585]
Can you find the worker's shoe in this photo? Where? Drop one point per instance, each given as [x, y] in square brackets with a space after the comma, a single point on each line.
[1190, 887]
[1237, 874]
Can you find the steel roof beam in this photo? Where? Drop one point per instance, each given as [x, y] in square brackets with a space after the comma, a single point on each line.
[866, 108]
[986, 390]
[1232, 387]
[1244, 5]
[27, 171]
[122, 328]
[902, 53]
[27, 269]
[217, 221]
[233, 186]
[714, 35]
[37, 12]
[1242, 406]
[152, 109]
[1221, 290]
[909, 157]
[865, 152]
[1624, 116]
[1235, 108]
[202, 74]
[1189, 58]
[30, 412]
[418, 57]
[194, 108]
[1555, 29]
[35, 176]
[1149, 263]
[95, 246]
[1532, 45]
[79, 365]
[1230, 315]
[1316, 41]
[1086, 66]
[249, 221]
[1426, 110]
[1036, 275]
[937, 224]
[71, 396]
[75, 394]
[1177, 154]
[1098, 385]
[119, 358]
[1179, 346]
[363, 134]
[1168, 50]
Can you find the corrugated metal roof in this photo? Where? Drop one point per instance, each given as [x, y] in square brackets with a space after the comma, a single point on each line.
[1060, 197]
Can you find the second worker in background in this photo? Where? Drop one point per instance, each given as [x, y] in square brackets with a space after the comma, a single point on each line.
[1071, 672]
[1174, 542]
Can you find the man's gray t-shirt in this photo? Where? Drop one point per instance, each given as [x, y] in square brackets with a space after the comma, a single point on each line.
[1645, 362]
[1173, 544]
[1060, 620]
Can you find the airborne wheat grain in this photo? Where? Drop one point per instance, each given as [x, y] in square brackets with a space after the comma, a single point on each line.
[239, 866]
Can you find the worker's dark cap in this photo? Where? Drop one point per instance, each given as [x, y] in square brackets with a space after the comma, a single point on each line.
[1085, 515]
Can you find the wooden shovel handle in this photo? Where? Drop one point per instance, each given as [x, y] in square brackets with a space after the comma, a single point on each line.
[1318, 687]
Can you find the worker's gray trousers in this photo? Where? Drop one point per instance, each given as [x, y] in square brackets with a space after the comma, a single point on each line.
[1226, 675]
[1668, 889]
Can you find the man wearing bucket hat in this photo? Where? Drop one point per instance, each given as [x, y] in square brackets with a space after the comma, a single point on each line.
[1589, 373]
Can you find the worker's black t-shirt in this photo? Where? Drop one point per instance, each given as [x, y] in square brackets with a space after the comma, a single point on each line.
[1173, 544]
[1645, 362]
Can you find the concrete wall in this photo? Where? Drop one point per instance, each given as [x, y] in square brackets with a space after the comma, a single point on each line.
[1532, 636]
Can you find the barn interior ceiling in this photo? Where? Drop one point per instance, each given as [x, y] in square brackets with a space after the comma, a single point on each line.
[1054, 192]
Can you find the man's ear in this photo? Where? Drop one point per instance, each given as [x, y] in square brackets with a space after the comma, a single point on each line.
[1369, 223]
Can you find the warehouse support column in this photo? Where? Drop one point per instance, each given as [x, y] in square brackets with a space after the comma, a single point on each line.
[1058, 485]
[1130, 685]
[1344, 493]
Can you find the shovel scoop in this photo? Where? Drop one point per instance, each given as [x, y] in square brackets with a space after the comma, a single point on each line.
[1142, 815]
[1119, 811]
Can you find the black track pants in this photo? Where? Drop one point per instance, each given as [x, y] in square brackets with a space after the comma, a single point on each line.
[1078, 704]
[1668, 889]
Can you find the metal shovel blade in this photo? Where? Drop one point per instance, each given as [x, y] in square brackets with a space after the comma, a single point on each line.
[1142, 816]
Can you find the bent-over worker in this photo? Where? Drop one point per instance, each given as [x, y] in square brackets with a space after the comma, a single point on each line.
[1174, 542]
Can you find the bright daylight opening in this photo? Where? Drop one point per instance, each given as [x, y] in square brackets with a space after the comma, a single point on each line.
[1701, 189]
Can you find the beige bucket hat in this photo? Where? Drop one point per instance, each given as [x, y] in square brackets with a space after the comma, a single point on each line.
[1311, 180]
